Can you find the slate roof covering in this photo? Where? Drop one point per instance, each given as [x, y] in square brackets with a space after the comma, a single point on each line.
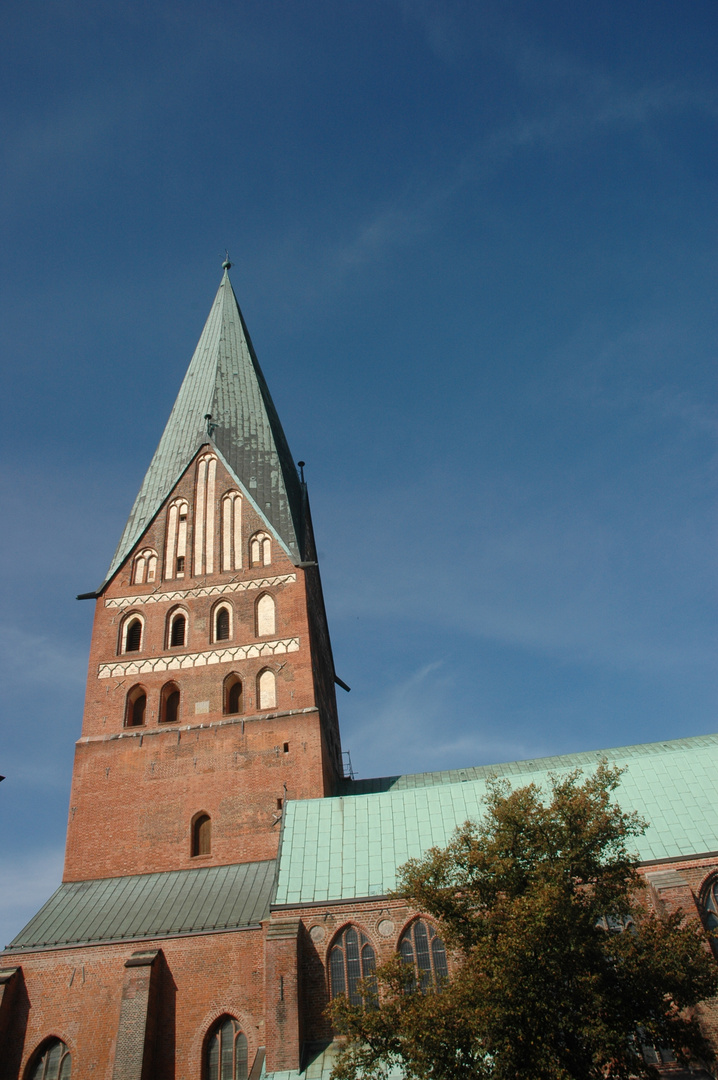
[151, 906]
[350, 845]
[224, 379]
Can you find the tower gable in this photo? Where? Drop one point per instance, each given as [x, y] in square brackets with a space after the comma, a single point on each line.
[223, 396]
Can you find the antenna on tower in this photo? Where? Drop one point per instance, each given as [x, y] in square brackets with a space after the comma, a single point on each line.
[301, 465]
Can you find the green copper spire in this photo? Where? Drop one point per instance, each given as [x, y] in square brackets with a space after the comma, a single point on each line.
[224, 401]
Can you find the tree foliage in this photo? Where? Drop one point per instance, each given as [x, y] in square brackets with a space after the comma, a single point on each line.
[559, 969]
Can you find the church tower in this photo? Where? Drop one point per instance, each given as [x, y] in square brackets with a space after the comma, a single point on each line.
[210, 693]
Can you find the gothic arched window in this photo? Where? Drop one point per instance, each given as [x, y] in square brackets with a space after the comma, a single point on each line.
[136, 706]
[176, 543]
[178, 629]
[351, 958]
[260, 549]
[222, 623]
[232, 531]
[202, 835]
[169, 703]
[265, 616]
[53, 1062]
[266, 689]
[709, 903]
[233, 695]
[226, 1051]
[132, 634]
[144, 568]
[422, 948]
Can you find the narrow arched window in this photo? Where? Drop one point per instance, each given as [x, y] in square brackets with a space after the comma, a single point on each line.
[136, 706]
[232, 531]
[233, 695]
[133, 636]
[222, 624]
[351, 958]
[169, 703]
[226, 1051]
[202, 835]
[178, 630]
[53, 1062]
[422, 949]
[266, 689]
[260, 549]
[265, 616]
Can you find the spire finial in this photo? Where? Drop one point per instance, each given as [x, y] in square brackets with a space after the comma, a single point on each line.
[226, 264]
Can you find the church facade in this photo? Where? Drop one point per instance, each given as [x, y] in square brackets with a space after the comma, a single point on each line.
[223, 878]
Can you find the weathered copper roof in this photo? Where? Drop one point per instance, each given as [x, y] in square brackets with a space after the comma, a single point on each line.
[151, 906]
[224, 380]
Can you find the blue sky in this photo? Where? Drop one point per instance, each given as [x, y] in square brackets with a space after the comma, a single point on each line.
[475, 244]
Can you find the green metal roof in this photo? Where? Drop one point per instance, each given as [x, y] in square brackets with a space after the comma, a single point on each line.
[225, 380]
[351, 845]
[318, 1060]
[151, 906]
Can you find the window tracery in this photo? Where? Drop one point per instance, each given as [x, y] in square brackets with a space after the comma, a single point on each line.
[226, 1056]
[422, 949]
[351, 959]
[54, 1062]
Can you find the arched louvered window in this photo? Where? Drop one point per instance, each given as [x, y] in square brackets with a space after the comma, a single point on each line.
[266, 689]
[260, 549]
[265, 616]
[133, 635]
[422, 949]
[222, 624]
[53, 1062]
[351, 958]
[226, 1053]
[709, 903]
[169, 703]
[136, 706]
[233, 703]
[178, 630]
[202, 835]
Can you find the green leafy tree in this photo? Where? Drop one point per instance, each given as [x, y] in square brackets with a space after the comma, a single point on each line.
[559, 969]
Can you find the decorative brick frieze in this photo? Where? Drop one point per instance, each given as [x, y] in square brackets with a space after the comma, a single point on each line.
[199, 659]
[122, 602]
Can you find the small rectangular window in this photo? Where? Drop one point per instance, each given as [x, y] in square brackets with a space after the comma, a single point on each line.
[286, 748]
[180, 564]
[279, 804]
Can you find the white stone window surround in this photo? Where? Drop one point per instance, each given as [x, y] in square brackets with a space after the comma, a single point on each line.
[231, 531]
[176, 541]
[223, 605]
[127, 621]
[172, 616]
[144, 567]
[265, 616]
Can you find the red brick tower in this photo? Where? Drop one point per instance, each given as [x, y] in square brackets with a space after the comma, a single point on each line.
[210, 693]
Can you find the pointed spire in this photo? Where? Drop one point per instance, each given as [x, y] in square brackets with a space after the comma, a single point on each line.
[224, 397]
